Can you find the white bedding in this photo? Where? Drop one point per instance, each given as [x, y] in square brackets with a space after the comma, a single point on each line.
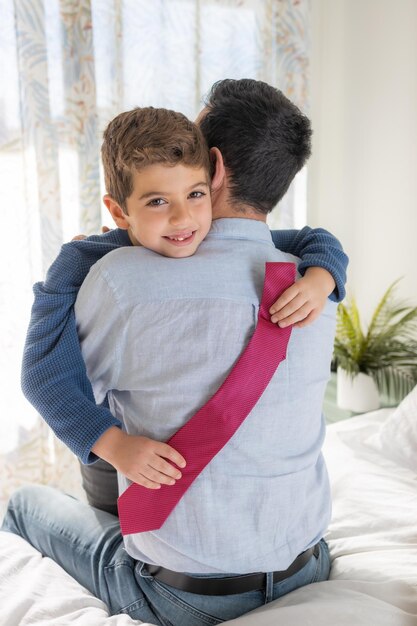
[372, 539]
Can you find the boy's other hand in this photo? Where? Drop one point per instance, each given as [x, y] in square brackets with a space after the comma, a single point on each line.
[144, 461]
[104, 229]
[303, 302]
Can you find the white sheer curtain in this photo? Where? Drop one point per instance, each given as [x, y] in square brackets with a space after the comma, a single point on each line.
[69, 66]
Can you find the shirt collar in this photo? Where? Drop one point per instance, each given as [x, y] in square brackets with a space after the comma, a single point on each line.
[240, 228]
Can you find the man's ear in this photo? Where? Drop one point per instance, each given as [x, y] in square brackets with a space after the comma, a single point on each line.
[116, 212]
[216, 158]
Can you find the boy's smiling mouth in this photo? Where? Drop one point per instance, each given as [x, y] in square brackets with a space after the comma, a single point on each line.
[181, 239]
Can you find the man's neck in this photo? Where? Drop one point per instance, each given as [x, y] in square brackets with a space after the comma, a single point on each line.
[224, 208]
[242, 213]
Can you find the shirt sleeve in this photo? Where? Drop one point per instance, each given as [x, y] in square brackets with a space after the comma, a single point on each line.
[54, 377]
[316, 247]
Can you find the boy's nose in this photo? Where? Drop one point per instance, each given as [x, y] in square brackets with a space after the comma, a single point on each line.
[179, 214]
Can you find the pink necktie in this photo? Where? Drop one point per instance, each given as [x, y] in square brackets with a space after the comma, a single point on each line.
[205, 434]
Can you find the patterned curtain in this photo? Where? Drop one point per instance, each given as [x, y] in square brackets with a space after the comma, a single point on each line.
[68, 67]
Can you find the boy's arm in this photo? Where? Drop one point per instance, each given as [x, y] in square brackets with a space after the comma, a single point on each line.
[54, 378]
[323, 268]
[316, 247]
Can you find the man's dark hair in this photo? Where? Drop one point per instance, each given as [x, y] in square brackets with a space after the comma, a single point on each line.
[263, 137]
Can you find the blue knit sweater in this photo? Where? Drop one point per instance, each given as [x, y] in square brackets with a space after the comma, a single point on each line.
[54, 377]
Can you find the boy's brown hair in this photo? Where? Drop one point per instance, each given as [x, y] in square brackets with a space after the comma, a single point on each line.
[145, 136]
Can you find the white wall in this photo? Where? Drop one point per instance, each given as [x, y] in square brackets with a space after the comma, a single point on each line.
[363, 172]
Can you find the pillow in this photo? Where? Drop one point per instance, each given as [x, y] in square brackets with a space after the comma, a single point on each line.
[398, 434]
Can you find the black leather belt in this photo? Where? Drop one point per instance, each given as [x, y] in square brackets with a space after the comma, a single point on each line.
[230, 584]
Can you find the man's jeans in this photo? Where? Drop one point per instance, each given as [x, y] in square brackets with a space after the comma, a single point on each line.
[87, 543]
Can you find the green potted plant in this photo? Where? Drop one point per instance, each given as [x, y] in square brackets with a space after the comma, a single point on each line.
[382, 360]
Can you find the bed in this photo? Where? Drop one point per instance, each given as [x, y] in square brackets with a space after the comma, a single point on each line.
[372, 463]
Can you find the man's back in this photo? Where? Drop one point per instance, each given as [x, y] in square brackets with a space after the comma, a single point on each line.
[162, 337]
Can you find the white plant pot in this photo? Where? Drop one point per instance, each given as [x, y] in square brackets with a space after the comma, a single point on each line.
[358, 394]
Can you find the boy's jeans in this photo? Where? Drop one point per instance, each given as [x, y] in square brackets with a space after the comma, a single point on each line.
[87, 543]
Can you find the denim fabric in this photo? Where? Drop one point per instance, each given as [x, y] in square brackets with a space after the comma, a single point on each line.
[87, 543]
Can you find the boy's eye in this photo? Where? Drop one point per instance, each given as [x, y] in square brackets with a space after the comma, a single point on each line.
[156, 202]
[197, 194]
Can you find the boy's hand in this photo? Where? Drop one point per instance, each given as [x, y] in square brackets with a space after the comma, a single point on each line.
[144, 461]
[303, 302]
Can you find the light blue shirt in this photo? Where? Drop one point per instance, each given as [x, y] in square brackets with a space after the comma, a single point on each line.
[159, 336]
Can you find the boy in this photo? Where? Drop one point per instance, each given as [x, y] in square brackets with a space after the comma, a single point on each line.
[157, 175]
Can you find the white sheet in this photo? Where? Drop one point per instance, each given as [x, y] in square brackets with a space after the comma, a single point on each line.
[398, 435]
[372, 539]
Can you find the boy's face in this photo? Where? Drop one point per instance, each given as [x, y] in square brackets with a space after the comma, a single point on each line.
[169, 210]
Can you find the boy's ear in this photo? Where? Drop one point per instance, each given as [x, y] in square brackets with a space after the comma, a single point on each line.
[216, 158]
[116, 212]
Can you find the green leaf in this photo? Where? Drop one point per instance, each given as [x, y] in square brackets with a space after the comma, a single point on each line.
[388, 351]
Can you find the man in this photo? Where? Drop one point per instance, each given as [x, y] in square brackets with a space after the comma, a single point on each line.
[160, 350]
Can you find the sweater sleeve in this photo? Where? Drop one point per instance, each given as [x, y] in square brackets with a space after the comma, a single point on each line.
[54, 377]
[316, 247]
